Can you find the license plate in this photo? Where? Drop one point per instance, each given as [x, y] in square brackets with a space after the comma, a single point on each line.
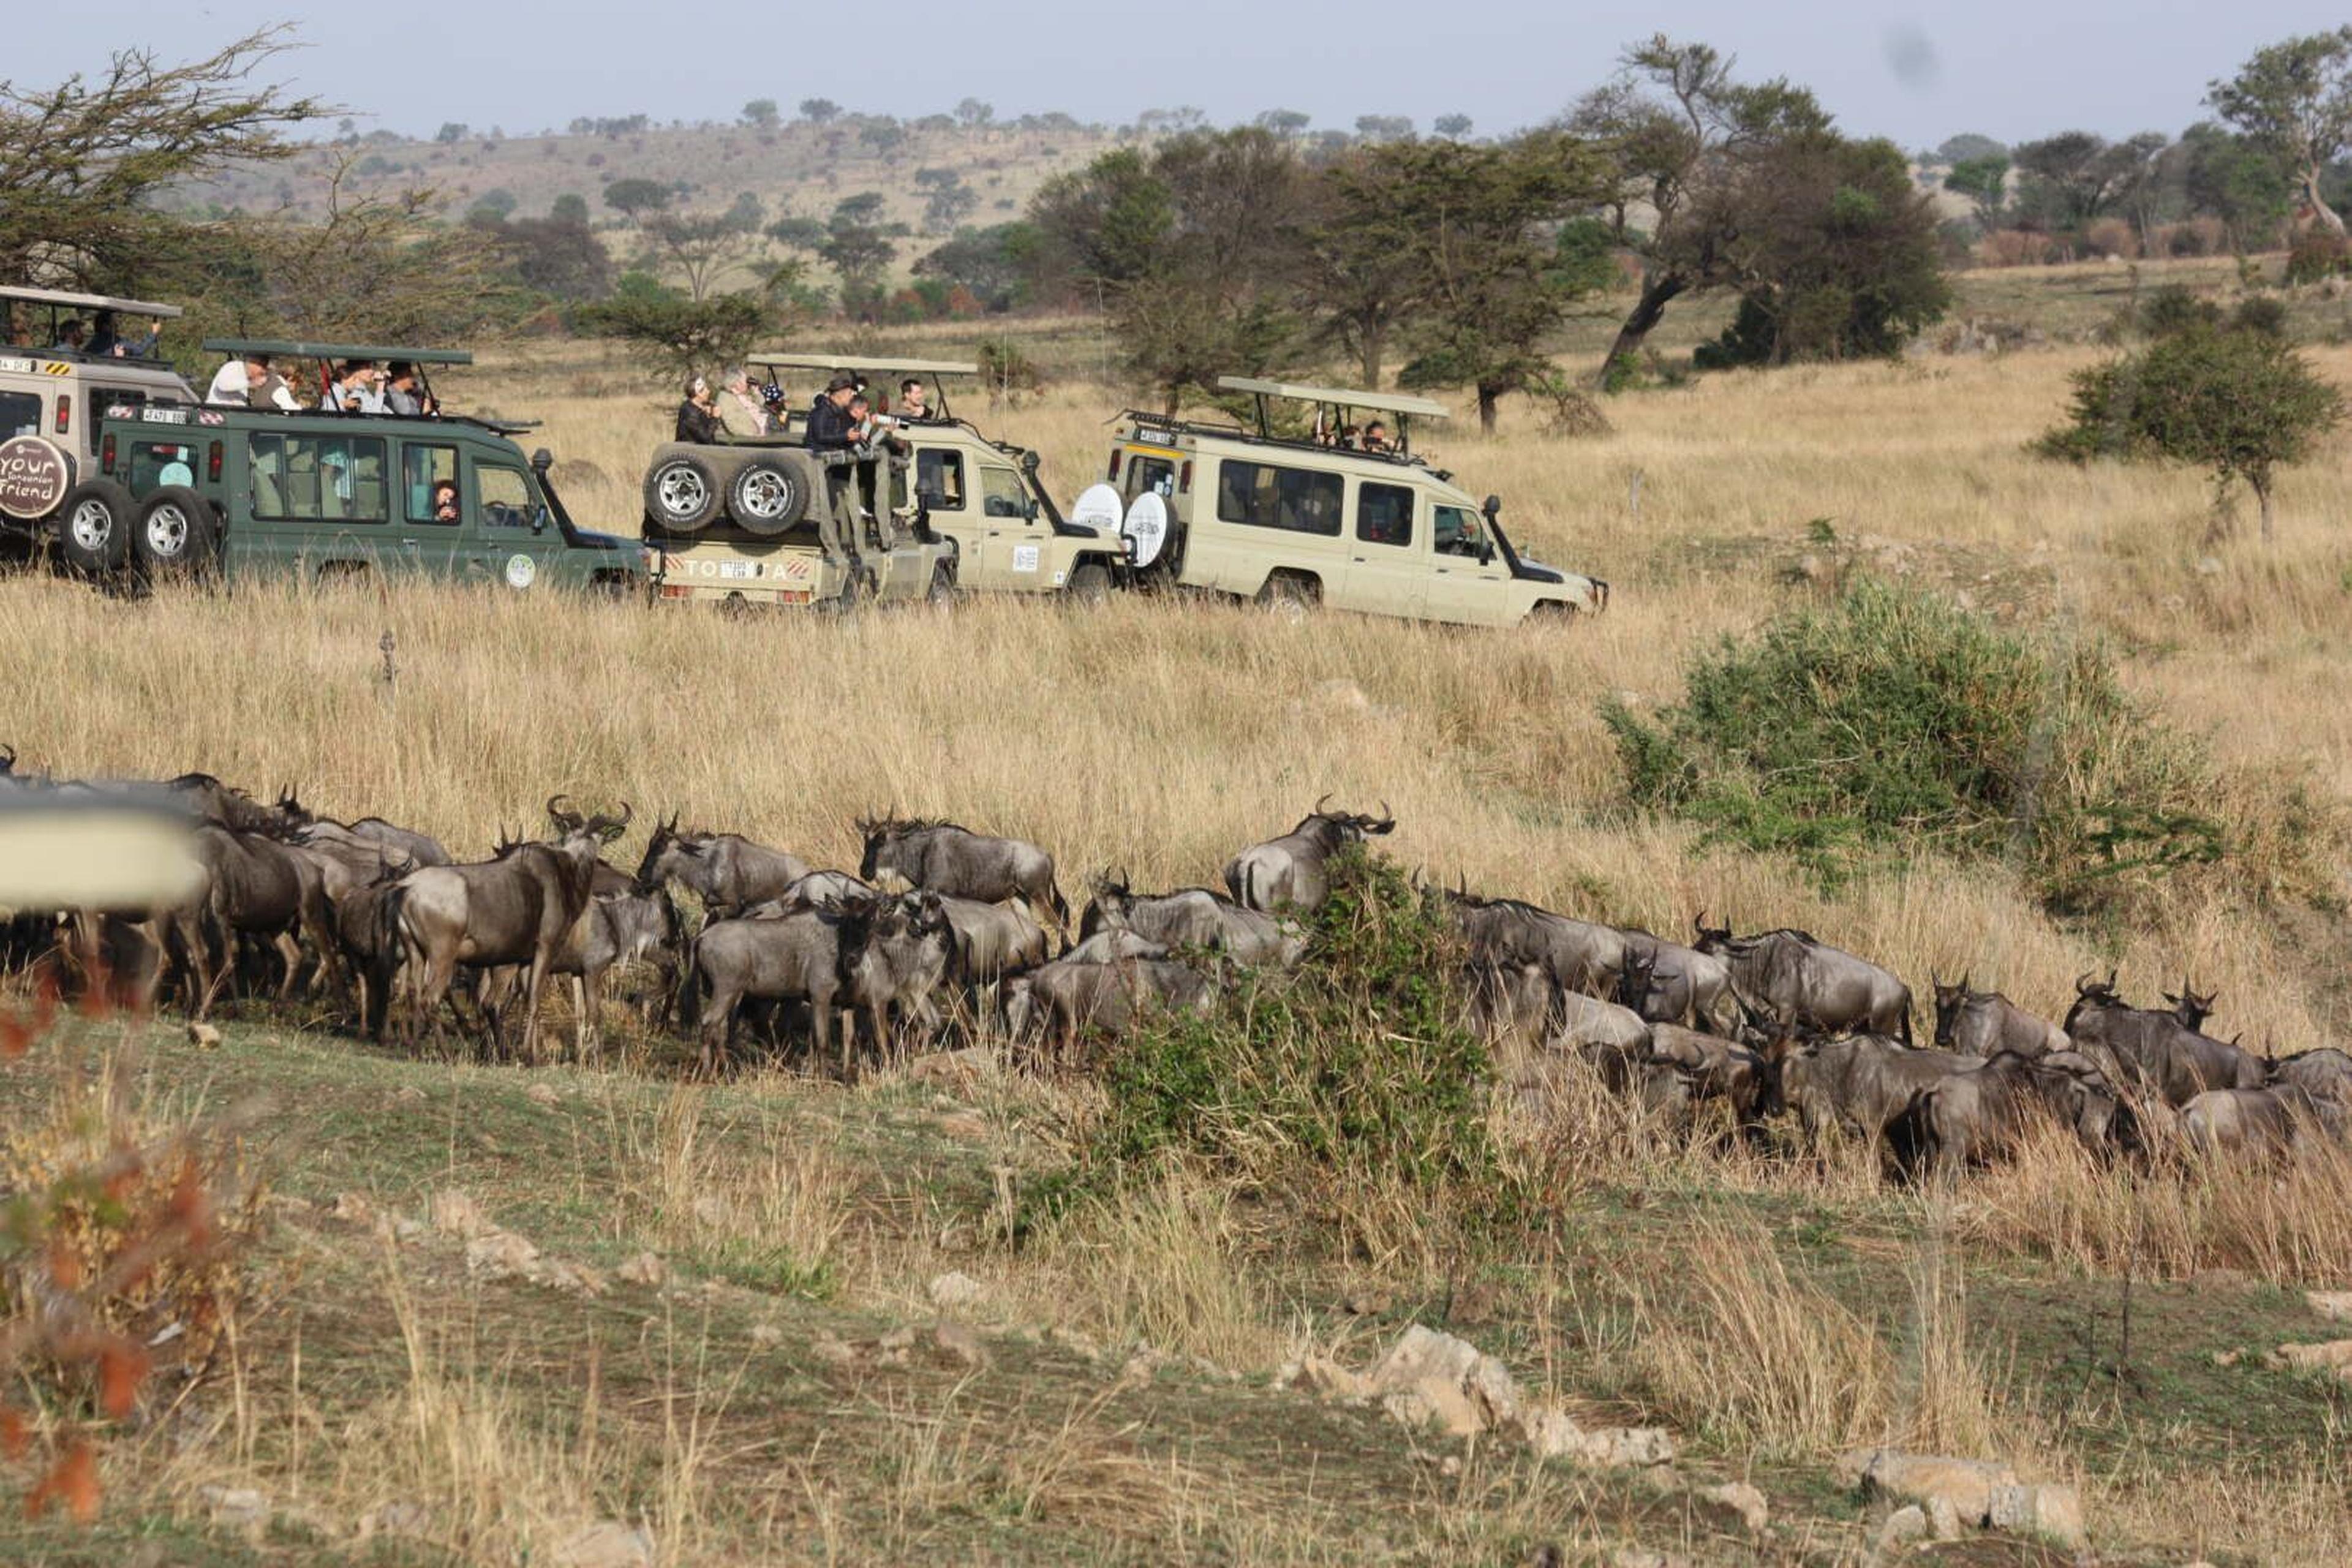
[16, 367]
[164, 415]
[738, 569]
[793, 596]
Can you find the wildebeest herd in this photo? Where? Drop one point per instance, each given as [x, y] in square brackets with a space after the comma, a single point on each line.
[942, 928]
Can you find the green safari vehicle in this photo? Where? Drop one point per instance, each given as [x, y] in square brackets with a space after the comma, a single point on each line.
[241, 492]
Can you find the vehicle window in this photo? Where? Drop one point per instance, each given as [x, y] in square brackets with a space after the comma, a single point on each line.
[1267, 495]
[1384, 514]
[938, 479]
[428, 483]
[20, 414]
[505, 497]
[311, 478]
[103, 398]
[1000, 493]
[1157, 475]
[154, 464]
[1457, 530]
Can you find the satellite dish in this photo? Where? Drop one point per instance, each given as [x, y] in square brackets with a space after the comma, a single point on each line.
[1146, 528]
[1098, 508]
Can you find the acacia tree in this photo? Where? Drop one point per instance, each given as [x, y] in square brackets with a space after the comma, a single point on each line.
[2295, 100]
[1359, 270]
[80, 161]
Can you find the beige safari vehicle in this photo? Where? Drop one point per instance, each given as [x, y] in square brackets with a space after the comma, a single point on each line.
[759, 520]
[53, 492]
[982, 493]
[1297, 521]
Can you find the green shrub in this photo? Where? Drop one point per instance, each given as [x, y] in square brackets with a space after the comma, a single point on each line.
[1356, 1067]
[1893, 720]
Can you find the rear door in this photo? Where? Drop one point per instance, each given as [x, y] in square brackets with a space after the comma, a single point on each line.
[1388, 551]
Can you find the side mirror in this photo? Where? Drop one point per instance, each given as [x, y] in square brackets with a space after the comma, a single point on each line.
[538, 521]
[1486, 553]
[1029, 508]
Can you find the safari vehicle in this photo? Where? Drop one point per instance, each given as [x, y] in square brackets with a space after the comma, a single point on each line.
[751, 521]
[50, 400]
[1293, 521]
[242, 493]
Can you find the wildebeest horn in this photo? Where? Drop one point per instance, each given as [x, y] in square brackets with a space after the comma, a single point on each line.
[611, 827]
[1698, 922]
[560, 814]
[1320, 801]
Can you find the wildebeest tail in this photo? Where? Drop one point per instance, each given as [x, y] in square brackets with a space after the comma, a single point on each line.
[689, 985]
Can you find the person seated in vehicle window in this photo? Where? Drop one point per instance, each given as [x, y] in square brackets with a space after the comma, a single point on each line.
[1376, 437]
[406, 395]
[779, 412]
[356, 389]
[740, 411]
[697, 416]
[71, 336]
[444, 500]
[105, 341]
[248, 382]
[1457, 533]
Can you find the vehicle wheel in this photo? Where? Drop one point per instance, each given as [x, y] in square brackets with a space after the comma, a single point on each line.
[177, 538]
[682, 492]
[1090, 584]
[767, 497]
[1289, 598]
[853, 589]
[94, 524]
[942, 595]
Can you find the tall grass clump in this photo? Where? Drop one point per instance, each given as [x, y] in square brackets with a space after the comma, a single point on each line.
[1356, 1073]
[1892, 720]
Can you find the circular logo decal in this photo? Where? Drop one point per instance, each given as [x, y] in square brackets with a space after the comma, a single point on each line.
[521, 570]
[32, 477]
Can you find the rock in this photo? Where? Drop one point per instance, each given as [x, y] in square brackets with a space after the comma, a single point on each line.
[767, 1336]
[1743, 1500]
[203, 1035]
[2208, 566]
[1642, 1557]
[1367, 1303]
[829, 1349]
[1143, 1364]
[1904, 1526]
[1465, 1390]
[960, 1341]
[500, 1254]
[952, 1068]
[572, 1279]
[956, 1291]
[644, 1268]
[1810, 568]
[1556, 1435]
[2336, 1356]
[542, 1094]
[1076, 1343]
[1918, 1477]
[2336, 1304]
[2228, 1358]
[1328, 1378]
[236, 1508]
[607, 1545]
[963, 1126]
[352, 1206]
[2047, 1510]
[1942, 1519]
[454, 1213]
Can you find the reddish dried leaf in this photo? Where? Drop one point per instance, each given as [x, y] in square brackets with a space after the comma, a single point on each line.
[16, 1432]
[73, 1481]
[122, 1366]
[65, 1264]
[15, 1038]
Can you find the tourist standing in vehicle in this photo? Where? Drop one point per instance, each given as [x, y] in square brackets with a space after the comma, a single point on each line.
[404, 395]
[698, 416]
[355, 389]
[248, 382]
[832, 439]
[1376, 437]
[914, 401]
[741, 412]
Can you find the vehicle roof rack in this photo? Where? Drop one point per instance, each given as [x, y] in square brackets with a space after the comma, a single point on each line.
[294, 349]
[1383, 401]
[74, 301]
[880, 365]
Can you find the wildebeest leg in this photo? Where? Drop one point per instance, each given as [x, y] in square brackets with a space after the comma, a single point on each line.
[532, 987]
[718, 1026]
[583, 1025]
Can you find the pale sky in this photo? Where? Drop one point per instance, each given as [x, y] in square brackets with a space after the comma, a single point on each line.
[2012, 68]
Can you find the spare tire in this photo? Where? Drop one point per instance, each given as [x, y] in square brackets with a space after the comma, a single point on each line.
[93, 527]
[682, 492]
[768, 494]
[178, 537]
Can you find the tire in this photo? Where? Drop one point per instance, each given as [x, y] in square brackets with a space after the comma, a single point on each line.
[853, 590]
[682, 492]
[942, 593]
[1289, 598]
[93, 527]
[1090, 585]
[767, 496]
[177, 539]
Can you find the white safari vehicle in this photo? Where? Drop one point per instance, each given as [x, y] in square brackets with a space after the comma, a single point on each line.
[1294, 522]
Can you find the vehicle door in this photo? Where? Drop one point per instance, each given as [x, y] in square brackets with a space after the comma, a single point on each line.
[312, 499]
[1469, 580]
[1016, 546]
[944, 488]
[510, 537]
[1388, 551]
[431, 507]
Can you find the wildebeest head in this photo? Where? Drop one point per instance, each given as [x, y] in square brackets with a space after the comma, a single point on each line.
[1337, 829]
[1708, 939]
[290, 810]
[2091, 994]
[1112, 907]
[598, 828]
[2191, 1009]
[1949, 1001]
[1639, 979]
[878, 832]
[669, 852]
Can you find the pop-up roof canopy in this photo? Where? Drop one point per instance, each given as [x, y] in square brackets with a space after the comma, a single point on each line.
[1380, 401]
[66, 300]
[878, 364]
[294, 350]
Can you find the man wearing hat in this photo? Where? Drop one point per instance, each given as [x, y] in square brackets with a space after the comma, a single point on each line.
[832, 441]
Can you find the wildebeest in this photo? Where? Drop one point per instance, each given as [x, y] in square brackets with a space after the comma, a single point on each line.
[1967, 1118]
[255, 885]
[1985, 1023]
[1291, 872]
[727, 871]
[895, 951]
[792, 957]
[2191, 1009]
[1067, 998]
[1192, 917]
[1514, 1003]
[1862, 1082]
[1106, 946]
[369, 943]
[990, 942]
[1713, 1067]
[817, 890]
[954, 860]
[2155, 1050]
[2325, 1073]
[518, 909]
[1576, 955]
[620, 925]
[2259, 1121]
[1684, 985]
[1788, 975]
